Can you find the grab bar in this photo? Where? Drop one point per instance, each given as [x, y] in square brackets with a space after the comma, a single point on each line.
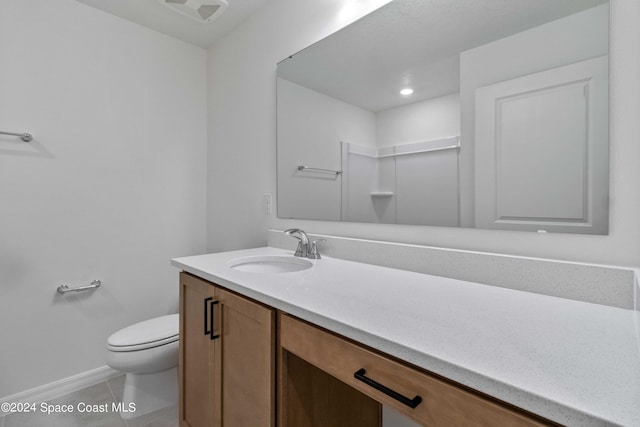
[63, 289]
[26, 137]
[302, 167]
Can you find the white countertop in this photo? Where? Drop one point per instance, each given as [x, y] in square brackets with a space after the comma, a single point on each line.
[572, 362]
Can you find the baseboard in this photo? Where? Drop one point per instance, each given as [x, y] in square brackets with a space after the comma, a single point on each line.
[64, 386]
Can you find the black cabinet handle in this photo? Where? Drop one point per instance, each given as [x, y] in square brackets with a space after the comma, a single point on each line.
[211, 334]
[207, 331]
[208, 317]
[411, 403]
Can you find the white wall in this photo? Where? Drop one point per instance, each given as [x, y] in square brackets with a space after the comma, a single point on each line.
[242, 111]
[311, 134]
[112, 187]
[359, 178]
[426, 184]
[427, 188]
[242, 127]
[385, 207]
[311, 126]
[421, 121]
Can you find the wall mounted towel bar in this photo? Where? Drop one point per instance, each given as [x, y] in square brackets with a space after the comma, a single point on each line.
[26, 137]
[302, 167]
[63, 289]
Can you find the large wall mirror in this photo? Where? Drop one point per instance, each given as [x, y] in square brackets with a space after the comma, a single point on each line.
[458, 113]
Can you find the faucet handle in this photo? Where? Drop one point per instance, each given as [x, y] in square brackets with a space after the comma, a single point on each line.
[313, 252]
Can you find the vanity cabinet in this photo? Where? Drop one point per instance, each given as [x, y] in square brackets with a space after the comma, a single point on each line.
[227, 373]
[421, 396]
[226, 358]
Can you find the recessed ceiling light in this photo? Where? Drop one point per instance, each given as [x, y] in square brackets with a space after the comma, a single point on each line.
[406, 91]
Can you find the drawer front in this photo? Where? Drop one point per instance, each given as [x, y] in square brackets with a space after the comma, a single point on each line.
[437, 403]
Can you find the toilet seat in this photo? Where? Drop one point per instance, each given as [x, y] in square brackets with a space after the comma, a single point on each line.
[145, 335]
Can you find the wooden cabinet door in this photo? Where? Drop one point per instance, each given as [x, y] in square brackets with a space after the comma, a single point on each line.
[247, 353]
[227, 358]
[197, 357]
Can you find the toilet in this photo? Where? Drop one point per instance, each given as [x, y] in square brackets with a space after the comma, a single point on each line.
[148, 353]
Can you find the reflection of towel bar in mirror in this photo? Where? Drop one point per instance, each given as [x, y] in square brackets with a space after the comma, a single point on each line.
[26, 137]
[302, 167]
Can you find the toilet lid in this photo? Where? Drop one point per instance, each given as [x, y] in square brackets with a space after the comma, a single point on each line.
[149, 333]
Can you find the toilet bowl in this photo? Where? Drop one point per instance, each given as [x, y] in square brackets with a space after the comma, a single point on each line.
[148, 353]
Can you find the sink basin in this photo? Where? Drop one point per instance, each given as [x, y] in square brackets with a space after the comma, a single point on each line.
[270, 264]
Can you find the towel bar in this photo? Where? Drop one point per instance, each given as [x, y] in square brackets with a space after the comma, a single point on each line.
[63, 289]
[302, 167]
[26, 137]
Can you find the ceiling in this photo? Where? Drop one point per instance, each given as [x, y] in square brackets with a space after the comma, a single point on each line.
[413, 43]
[153, 14]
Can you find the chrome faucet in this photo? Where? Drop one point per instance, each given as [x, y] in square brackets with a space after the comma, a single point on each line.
[303, 241]
[306, 248]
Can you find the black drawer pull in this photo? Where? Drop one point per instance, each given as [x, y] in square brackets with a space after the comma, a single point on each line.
[411, 403]
[206, 316]
[211, 335]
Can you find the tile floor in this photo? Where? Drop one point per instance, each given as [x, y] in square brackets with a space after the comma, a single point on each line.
[104, 392]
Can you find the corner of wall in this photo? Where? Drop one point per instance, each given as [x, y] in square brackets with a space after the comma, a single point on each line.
[636, 289]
